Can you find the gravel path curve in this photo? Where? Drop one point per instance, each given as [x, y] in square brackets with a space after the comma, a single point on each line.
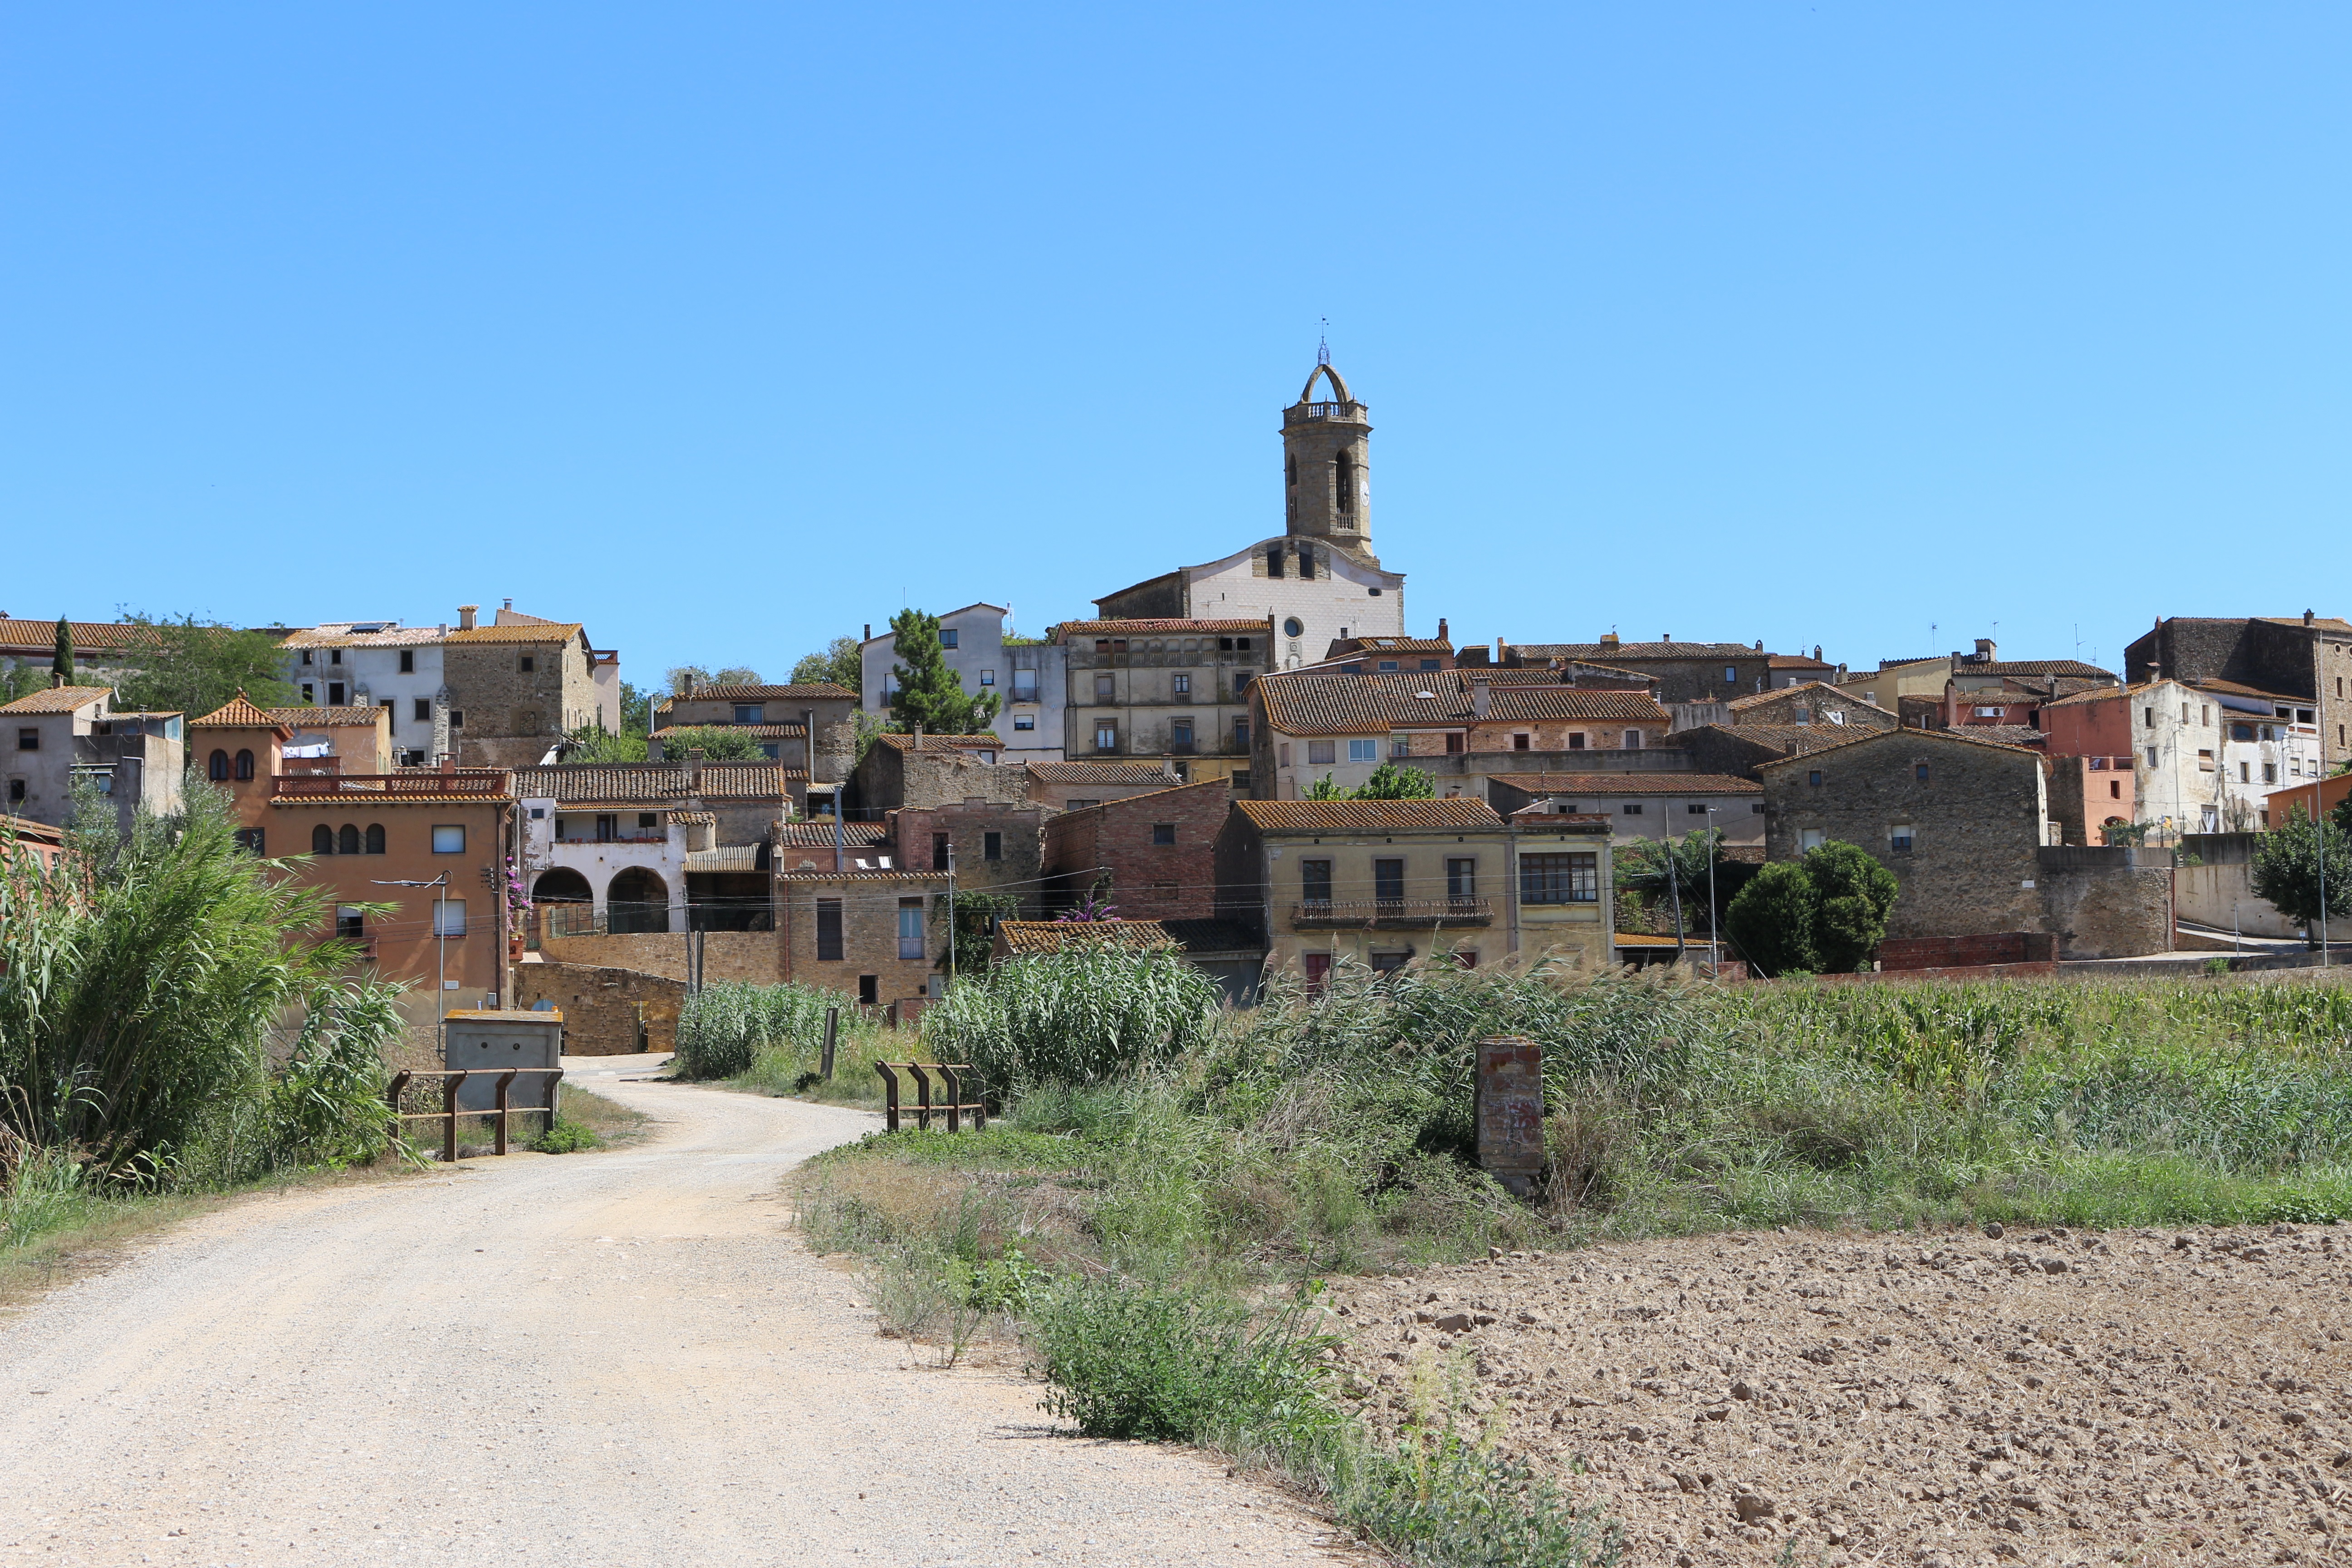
[615, 1358]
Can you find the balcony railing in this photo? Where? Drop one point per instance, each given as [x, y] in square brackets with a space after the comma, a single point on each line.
[488, 783]
[1392, 914]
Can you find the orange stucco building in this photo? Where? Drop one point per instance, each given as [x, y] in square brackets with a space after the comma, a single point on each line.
[318, 782]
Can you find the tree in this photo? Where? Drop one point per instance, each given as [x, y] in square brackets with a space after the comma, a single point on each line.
[1326, 788]
[2287, 868]
[1856, 894]
[717, 742]
[1772, 919]
[1825, 913]
[972, 932]
[194, 667]
[1676, 870]
[738, 675]
[678, 677]
[929, 694]
[591, 743]
[1390, 782]
[841, 664]
[636, 709]
[61, 663]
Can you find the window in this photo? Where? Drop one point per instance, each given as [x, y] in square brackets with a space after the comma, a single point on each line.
[1346, 465]
[1632, 740]
[1315, 881]
[648, 819]
[2184, 713]
[1319, 970]
[1181, 685]
[2245, 774]
[1107, 737]
[910, 928]
[1180, 735]
[1163, 833]
[1366, 750]
[2204, 762]
[1274, 565]
[1294, 627]
[1242, 645]
[1462, 879]
[1306, 569]
[947, 639]
[1385, 665]
[2241, 731]
[336, 657]
[2115, 789]
[391, 714]
[252, 839]
[1320, 752]
[1695, 809]
[987, 678]
[1570, 878]
[1919, 772]
[1731, 675]
[1467, 957]
[828, 933]
[322, 840]
[408, 661]
[1241, 683]
[1898, 838]
[1455, 743]
[1106, 688]
[1387, 963]
[456, 719]
[334, 694]
[216, 767]
[1284, 756]
[449, 838]
[1813, 778]
[349, 924]
[1025, 722]
[1079, 805]
[1810, 838]
[347, 842]
[1630, 808]
[1240, 734]
[2151, 756]
[1024, 686]
[1757, 810]
[307, 656]
[1576, 740]
[773, 753]
[449, 917]
[28, 740]
[869, 989]
[608, 827]
[940, 852]
[421, 710]
[1399, 745]
[1521, 741]
[2147, 718]
[2204, 714]
[1240, 781]
[1428, 664]
[749, 714]
[991, 846]
[375, 839]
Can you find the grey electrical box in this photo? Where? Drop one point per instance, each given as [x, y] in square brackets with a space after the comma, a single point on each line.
[499, 1039]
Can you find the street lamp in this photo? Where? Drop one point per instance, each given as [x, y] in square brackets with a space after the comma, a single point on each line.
[440, 935]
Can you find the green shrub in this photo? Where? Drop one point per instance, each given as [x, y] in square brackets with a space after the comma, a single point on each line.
[568, 1137]
[1772, 919]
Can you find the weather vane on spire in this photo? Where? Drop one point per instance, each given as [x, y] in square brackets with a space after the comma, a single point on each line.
[1323, 343]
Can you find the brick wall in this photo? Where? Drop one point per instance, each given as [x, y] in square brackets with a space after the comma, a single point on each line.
[1148, 880]
[967, 825]
[1976, 819]
[731, 955]
[602, 1007]
[1949, 951]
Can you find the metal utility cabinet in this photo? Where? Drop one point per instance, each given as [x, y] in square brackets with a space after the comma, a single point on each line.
[485, 1043]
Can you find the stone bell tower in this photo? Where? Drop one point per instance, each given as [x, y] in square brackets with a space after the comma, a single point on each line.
[1326, 464]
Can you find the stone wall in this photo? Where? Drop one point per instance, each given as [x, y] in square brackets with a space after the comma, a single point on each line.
[2107, 903]
[606, 1012]
[1976, 821]
[1811, 705]
[731, 955]
[869, 904]
[968, 825]
[512, 715]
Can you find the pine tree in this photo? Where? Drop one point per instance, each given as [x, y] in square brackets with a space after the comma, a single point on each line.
[928, 693]
[61, 663]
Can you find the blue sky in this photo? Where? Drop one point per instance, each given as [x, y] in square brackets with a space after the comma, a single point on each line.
[725, 329]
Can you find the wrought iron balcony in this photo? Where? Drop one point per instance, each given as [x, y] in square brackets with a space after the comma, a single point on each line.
[1390, 914]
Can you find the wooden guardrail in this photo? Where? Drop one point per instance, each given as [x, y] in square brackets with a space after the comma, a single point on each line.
[955, 1078]
[449, 1113]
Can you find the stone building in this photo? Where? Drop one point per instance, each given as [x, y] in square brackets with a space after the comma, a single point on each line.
[376, 664]
[2306, 659]
[72, 735]
[1684, 671]
[1173, 689]
[900, 770]
[991, 845]
[1318, 580]
[2203, 755]
[516, 687]
[1154, 855]
[1815, 703]
[778, 718]
[104, 651]
[1386, 882]
[1641, 806]
[1026, 675]
[1073, 786]
[874, 935]
[1739, 749]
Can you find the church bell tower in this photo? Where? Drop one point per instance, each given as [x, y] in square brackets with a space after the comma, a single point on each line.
[1326, 465]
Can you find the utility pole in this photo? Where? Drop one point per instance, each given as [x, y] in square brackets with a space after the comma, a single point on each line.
[951, 912]
[440, 931]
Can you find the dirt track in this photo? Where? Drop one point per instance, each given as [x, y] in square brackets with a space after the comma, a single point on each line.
[2148, 1396]
[618, 1358]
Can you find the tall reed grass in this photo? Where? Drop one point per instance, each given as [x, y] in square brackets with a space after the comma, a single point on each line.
[724, 1027]
[1073, 1017]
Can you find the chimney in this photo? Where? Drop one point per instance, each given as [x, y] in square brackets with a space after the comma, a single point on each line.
[509, 604]
[1442, 638]
[1817, 653]
[1609, 642]
[694, 770]
[2306, 618]
[1986, 652]
[466, 617]
[1759, 644]
[869, 631]
[1665, 637]
[1481, 697]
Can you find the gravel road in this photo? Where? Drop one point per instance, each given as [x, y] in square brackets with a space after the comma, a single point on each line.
[612, 1358]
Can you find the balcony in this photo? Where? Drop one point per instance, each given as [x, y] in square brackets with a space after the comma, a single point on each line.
[488, 784]
[1390, 914]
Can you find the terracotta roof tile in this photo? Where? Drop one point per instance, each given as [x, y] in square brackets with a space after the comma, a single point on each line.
[1028, 938]
[1631, 784]
[651, 784]
[1100, 773]
[58, 699]
[1315, 704]
[819, 835]
[1953, 737]
[824, 873]
[1756, 699]
[901, 740]
[340, 634]
[1360, 816]
[760, 731]
[815, 691]
[345, 717]
[540, 632]
[2033, 666]
[725, 858]
[1634, 651]
[17, 637]
[237, 713]
[692, 818]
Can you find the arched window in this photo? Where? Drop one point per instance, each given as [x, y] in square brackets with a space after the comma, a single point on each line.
[218, 768]
[348, 843]
[1347, 466]
[322, 840]
[375, 839]
[245, 765]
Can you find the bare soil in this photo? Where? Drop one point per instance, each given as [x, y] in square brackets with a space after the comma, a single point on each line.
[2145, 1396]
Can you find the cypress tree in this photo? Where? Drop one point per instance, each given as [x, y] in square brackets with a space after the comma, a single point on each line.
[61, 664]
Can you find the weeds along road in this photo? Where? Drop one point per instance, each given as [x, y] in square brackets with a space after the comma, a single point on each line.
[615, 1358]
